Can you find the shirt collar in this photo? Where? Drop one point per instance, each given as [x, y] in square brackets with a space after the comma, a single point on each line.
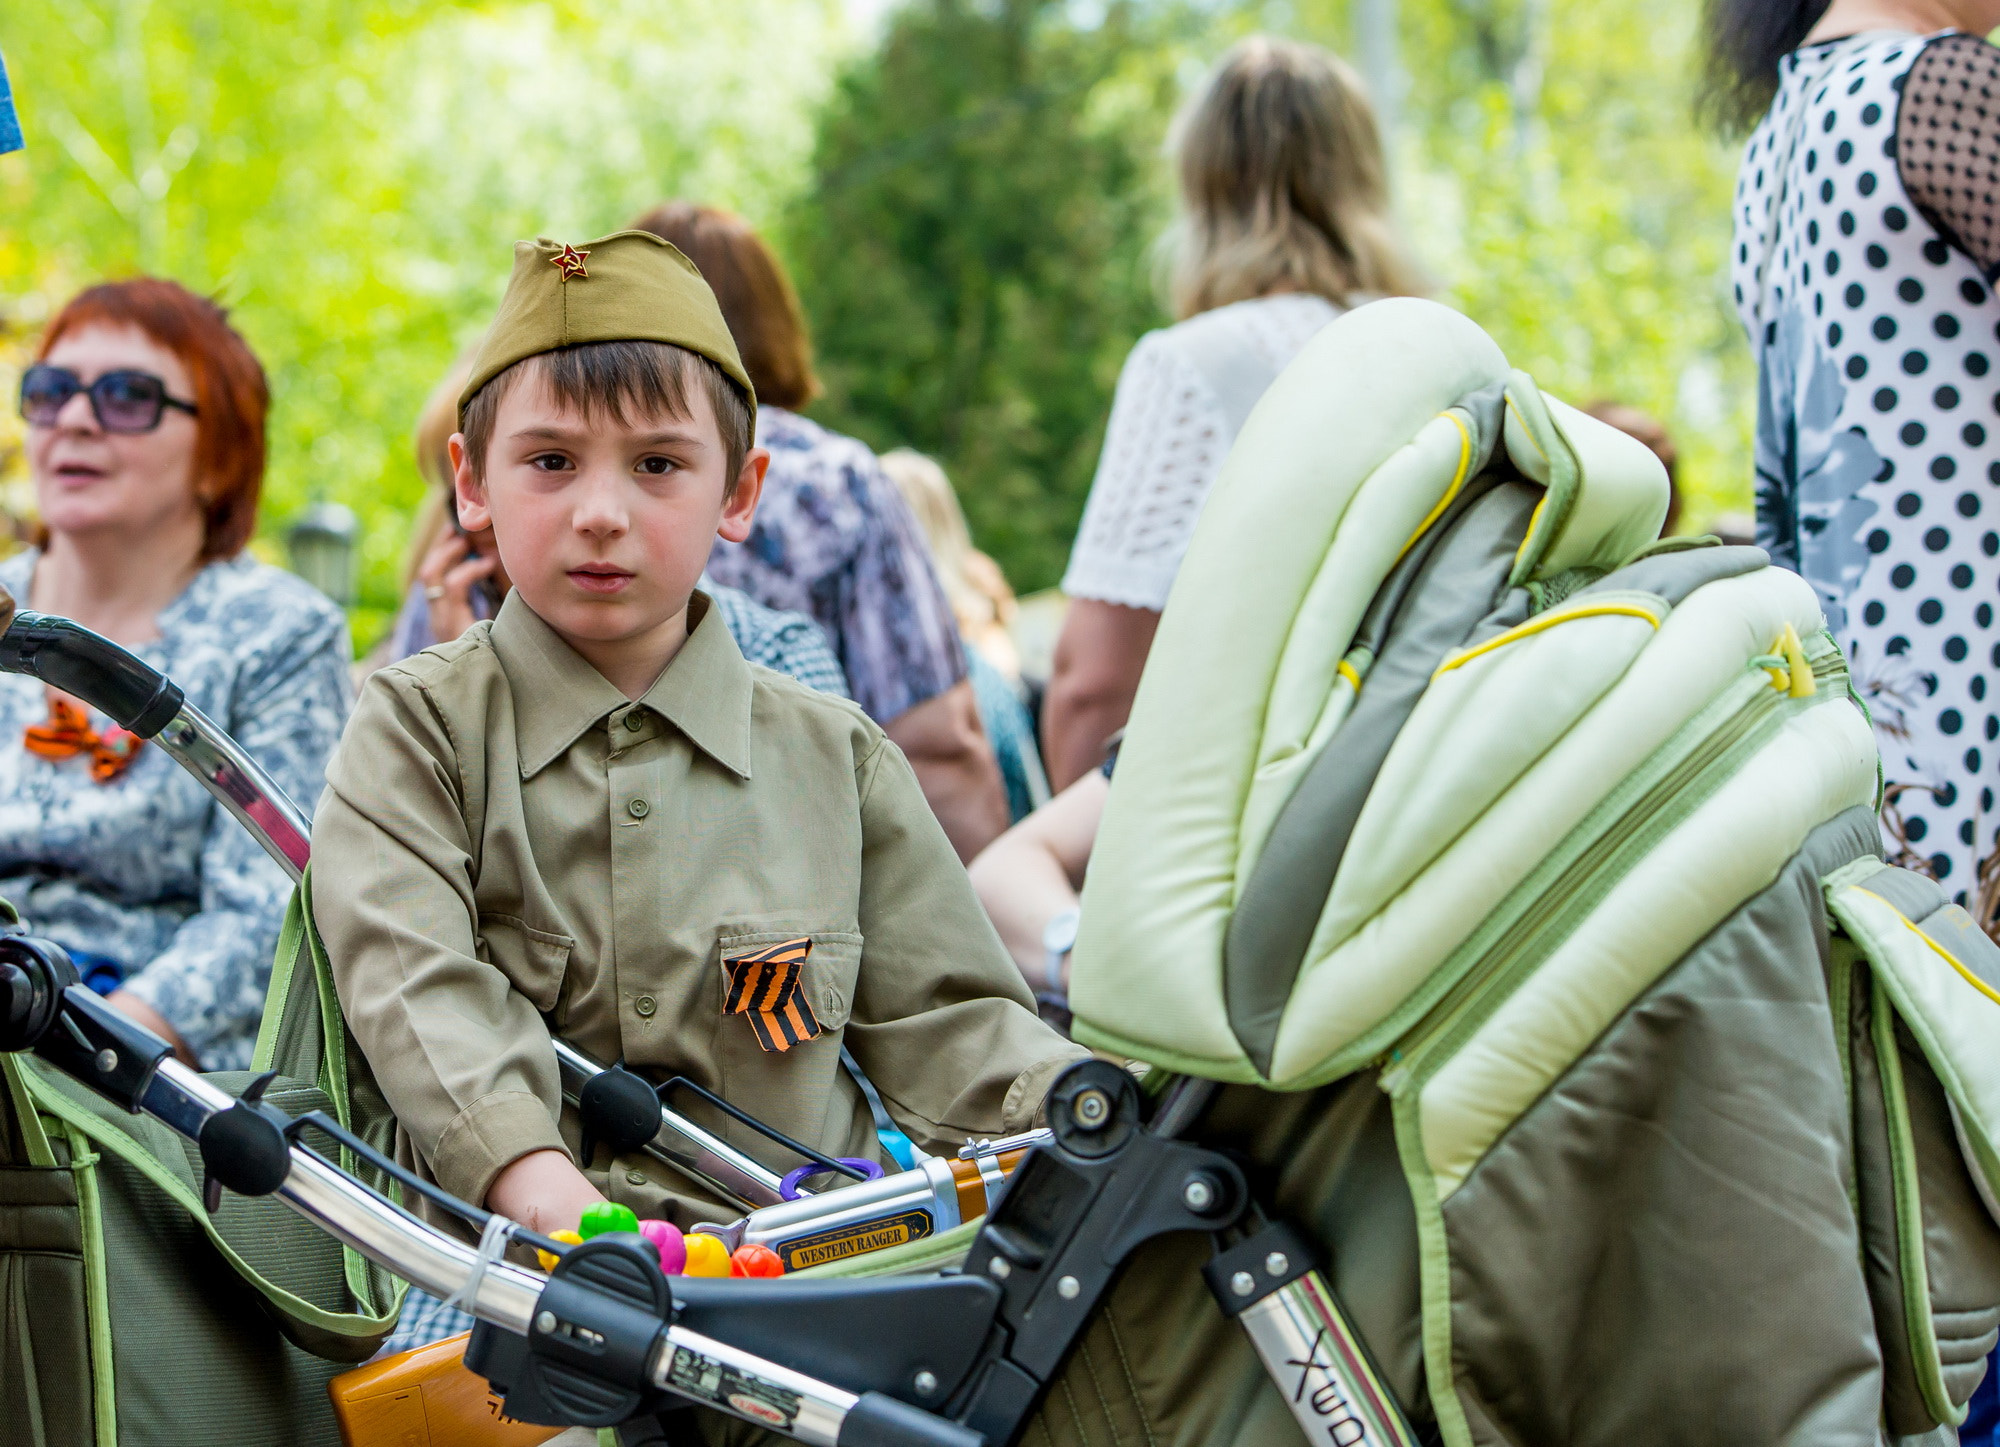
[705, 692]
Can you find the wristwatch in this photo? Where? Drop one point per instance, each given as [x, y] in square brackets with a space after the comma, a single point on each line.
[1058, 939]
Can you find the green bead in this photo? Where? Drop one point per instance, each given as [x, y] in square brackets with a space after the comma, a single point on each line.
[606, 1216]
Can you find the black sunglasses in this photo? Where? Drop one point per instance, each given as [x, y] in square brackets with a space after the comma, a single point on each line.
[125, 401]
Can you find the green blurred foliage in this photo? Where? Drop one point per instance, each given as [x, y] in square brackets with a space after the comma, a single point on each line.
[972, 248]
[348, 175]
[976, 243]
[971, 203]
[1550, 172]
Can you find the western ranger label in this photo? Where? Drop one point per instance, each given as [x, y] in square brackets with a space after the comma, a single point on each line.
[863, 1236]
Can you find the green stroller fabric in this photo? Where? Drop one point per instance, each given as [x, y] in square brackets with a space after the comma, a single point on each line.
[131, 1318]
[1519, 874]
[1534, 863]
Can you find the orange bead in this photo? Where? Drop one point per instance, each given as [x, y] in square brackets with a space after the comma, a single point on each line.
[755, 1260]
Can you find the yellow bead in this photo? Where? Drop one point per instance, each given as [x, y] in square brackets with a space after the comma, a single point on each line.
[707, 1256]
[548, 1258]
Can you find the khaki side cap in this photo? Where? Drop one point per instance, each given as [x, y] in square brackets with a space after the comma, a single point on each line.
[630, 286]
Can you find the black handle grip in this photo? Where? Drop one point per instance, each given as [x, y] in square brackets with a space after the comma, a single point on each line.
[96, 1044]
[69, 656]
[878, 1420]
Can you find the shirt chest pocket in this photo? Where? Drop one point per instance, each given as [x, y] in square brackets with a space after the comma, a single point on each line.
[768, 974]
[533, 960]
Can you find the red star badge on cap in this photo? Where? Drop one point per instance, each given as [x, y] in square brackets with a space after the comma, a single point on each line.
[569, 261]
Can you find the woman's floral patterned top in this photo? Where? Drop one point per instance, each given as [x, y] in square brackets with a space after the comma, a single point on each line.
[145, 869]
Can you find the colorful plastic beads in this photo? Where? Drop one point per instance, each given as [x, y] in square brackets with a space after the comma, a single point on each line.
[755, 1260]
[549, 1258]
[668, 1241]
[606, 1216]
[706, 1256]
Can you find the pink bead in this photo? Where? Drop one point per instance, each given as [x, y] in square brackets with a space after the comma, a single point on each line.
[668, 1241]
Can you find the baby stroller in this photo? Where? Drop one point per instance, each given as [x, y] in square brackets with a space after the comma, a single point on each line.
[1527, 1043]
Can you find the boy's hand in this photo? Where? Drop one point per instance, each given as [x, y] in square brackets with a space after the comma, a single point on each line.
[542, 1191]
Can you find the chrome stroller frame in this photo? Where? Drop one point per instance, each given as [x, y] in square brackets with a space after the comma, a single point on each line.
[940, 1360]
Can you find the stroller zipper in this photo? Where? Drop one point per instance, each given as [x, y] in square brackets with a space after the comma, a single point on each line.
[1751, 711]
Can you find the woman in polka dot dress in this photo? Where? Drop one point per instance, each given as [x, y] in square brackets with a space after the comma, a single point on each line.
[1867, 232]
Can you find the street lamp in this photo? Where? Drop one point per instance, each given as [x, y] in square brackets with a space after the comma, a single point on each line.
[322, 545]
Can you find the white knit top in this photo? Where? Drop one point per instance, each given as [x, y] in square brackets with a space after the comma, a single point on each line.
[1181, 397]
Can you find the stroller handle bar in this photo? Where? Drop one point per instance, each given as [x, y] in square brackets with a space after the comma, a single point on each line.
[503, 1294]
[357, 1217]
[40, 1011]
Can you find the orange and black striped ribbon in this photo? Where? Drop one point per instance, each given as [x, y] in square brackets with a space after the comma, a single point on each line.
[765, 986]
[68, 733]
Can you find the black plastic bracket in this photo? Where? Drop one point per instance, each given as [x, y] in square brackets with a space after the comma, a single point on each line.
[246, 1147]
[102, 1047]
[590, 1343]
[33, 975]
[1060, 1233]
[1262, 1263]
[618, 1108]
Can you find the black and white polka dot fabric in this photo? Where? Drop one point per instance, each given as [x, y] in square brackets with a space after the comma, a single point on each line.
[1948, 144]
[1878, 431]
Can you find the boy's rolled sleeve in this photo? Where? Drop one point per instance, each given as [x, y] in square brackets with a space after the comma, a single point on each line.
[488, 1136]
[942, 1023]
[462, 1057]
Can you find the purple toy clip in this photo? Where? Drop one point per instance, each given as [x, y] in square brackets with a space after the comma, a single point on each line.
[788, 1188]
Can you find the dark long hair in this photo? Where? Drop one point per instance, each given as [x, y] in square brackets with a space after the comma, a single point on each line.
[1746, 39]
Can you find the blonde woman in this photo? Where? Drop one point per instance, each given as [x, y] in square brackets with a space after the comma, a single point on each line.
[981, 598]
[983, 604]
[1284, 225]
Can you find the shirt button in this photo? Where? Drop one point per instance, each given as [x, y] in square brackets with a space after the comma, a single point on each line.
[645, 1005]
[635, 721]
[638, 808]
[636, 1178]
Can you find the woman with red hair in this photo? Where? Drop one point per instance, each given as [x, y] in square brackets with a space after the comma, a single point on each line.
[145, 414]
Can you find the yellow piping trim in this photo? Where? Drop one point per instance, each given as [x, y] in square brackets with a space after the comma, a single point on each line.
[1547, 620]
[1346, 671]
[1534, 518]
[1458, 481]
[1946, 955]
[1526, 431]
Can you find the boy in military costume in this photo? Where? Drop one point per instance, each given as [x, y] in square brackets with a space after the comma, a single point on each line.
[591, 817]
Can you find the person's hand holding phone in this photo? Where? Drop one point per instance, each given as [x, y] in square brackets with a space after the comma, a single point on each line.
[451, 575]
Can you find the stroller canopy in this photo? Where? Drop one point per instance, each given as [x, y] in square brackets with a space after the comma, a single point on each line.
[1418, 642]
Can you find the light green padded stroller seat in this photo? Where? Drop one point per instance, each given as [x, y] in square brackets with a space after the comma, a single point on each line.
[1520, 874]
[1321, 845]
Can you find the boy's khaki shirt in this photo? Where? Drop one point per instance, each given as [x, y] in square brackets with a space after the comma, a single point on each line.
[507, 847]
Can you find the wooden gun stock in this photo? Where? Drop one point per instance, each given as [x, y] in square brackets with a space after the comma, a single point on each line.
[426, 1398]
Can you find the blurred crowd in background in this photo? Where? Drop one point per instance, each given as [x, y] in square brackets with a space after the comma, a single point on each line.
[970, 197]
[1023, 271]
